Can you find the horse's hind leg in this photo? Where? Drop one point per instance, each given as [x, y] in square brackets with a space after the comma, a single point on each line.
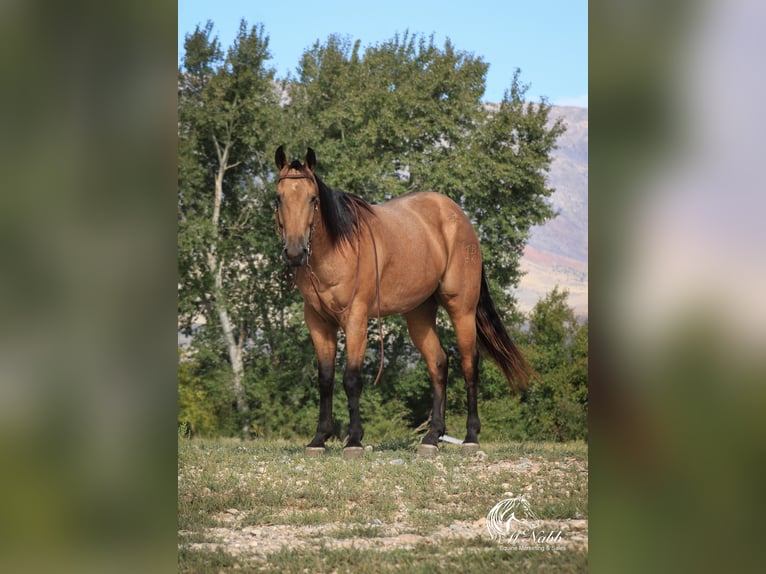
[465, 333]
[421, 323]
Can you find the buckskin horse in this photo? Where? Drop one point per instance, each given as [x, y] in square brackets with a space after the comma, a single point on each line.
[407, 256]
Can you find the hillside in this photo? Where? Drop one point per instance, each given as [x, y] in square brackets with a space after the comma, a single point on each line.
[557, 253]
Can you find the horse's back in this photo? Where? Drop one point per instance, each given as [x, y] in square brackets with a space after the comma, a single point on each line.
[435, 212]
[418, 201]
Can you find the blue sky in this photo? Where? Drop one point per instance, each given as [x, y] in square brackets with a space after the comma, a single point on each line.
[547, 39]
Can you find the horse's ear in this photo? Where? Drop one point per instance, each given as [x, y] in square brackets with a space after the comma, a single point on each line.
[280, 158]
[311, 159]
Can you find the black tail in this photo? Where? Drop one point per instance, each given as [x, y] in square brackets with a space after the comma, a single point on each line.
[496, 342]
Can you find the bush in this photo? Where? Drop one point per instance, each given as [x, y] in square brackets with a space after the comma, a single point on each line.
[552, 410]
[196, 414]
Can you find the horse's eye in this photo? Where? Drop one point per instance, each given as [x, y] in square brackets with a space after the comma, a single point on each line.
[314, 200]
[277, 201]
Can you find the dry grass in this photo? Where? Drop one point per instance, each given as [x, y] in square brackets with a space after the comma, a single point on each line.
[262, 505]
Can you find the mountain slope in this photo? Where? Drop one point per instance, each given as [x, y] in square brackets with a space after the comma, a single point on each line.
[557, 252]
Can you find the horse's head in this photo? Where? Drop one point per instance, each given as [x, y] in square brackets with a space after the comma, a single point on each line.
[297, 205]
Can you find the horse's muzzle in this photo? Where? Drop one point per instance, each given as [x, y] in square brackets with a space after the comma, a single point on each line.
[296, 256]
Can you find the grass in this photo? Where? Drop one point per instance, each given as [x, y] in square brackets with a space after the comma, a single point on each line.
[263, 506]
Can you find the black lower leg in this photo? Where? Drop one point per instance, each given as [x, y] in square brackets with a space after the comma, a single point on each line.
[473, 425]
[352, 383]
[324, 427]
[438, 421]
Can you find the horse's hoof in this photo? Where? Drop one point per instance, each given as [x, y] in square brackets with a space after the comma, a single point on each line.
[427, 450]
[312, 451]
[352, 452]
[469, 447]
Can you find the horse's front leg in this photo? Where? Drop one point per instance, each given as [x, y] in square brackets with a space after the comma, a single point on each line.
[324, 335]
[356, 343]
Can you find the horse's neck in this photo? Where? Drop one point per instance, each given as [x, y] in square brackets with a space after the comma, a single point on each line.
[333, 264]
[328, 261]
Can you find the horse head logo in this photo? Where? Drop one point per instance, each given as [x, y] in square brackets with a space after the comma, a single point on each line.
[510, 516]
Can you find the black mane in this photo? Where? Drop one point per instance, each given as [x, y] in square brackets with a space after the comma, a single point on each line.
[341, 213]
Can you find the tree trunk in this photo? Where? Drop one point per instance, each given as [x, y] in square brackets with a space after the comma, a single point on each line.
[220, 301]
[234, 348]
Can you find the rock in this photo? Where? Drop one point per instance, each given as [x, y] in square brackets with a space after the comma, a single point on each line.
[397, 461]
[524, 464]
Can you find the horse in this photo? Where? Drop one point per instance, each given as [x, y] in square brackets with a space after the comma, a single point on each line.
[409, 255]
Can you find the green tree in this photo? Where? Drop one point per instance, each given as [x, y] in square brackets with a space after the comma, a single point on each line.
[557, 404]
[507, 157]
[226, 111]
[552, 326]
